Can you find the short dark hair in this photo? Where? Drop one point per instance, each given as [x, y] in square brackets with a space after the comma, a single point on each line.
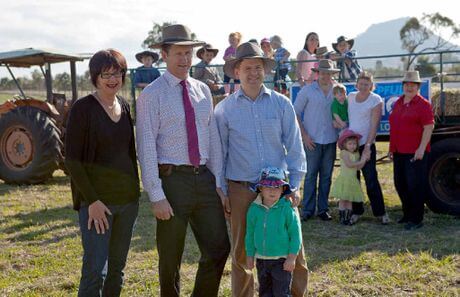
[166, 47]
[104, 60]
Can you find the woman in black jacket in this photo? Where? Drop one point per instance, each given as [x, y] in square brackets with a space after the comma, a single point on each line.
[101, 160]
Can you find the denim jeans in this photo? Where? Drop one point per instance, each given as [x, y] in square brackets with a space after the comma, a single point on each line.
[194, 201]
[374, 191]
[104, 255]
[411, 180]
[274, 281]
[320, 163]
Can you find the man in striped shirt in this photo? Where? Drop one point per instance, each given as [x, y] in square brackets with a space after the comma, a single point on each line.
[181, 161]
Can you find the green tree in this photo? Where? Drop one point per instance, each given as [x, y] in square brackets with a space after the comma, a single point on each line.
[416, 32]
[425, 68]
[62, 81]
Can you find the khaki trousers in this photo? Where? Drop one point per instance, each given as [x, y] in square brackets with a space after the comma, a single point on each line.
[240, 198]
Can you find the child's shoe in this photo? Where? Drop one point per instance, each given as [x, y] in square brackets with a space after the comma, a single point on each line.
[354, 218]
[347, 220]
[385, 219]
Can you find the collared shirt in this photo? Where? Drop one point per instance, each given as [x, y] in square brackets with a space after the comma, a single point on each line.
[316, 110]
[260, 133]
[146, 75]
[162, 134]
[407, 122]
[206, 74]
[279, 55]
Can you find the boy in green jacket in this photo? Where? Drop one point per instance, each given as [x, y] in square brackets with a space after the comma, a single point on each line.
[273, 234]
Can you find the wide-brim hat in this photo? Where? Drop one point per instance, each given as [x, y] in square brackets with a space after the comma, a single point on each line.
[177, 35]
[412, 76]
[272, 177]
[321, 51]
[325, 65]
[206, 48]
[347, 133]
[340, 39]
[154, 55]
[248, 50]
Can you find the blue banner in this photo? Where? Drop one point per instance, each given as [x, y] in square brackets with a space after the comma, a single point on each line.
[390, 91]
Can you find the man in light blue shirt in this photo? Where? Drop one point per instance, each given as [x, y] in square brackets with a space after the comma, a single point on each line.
[319, 137]
[258, 128]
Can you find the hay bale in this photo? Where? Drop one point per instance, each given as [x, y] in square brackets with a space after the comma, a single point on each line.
[452, 105]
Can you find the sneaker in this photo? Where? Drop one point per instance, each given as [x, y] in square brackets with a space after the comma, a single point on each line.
[325, 216]
[354, 218]
[412, 226]
[385, 219]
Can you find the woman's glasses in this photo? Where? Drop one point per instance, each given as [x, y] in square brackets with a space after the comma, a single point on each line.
[107, 75]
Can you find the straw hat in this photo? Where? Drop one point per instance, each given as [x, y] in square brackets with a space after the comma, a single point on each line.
[412, 76]
[326, 65]
[206, 48]
[347, 133]
[340, 39]
[248, 50]
[154, 55]
[177, 35]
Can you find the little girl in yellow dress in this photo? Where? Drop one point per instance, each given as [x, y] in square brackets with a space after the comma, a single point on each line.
[346, 187]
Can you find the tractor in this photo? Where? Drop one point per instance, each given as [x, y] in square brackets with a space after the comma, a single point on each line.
[32, 131]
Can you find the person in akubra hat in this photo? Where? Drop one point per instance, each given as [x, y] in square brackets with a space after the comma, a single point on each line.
[319, 137]
[411, 126]
[146, 73]
[180, 155]
[345, 57]
[209, 75]
[258, 128]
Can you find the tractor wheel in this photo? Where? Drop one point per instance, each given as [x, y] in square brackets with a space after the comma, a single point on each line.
[30, 146]
[444, 177]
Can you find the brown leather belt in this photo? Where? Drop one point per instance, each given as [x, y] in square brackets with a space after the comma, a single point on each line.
[243, 183]
[167, 169]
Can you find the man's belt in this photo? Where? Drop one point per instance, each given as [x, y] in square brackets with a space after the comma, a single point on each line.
[167, 169]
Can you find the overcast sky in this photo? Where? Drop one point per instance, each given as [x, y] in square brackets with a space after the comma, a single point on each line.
[86, 26]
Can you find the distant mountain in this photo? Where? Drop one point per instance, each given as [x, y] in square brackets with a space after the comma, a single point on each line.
[383, 39]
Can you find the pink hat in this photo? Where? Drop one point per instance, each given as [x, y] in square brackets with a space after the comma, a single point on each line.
[347, 133]
[265, 40]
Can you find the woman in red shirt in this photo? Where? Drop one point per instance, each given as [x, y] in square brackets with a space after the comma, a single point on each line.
[411, 125]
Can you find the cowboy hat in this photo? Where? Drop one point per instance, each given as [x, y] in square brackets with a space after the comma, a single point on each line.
[178, 35]
[326, 65]
[340, 39]
[154, 55]
[321, 51]
[412, 76]
[206, 48]
[248, 50]
[347, 133]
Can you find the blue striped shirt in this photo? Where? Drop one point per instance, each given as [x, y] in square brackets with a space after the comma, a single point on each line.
[259, 133]
[316, 110]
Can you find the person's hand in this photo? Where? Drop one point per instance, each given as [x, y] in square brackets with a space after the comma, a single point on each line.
[294, 198]
[289, 264]
[367, 152]
[97, 214]
[308, 142]
[225, 202]
[214, 87]
[419, 153]
[250, 262]
[335, 124]
[162, 210]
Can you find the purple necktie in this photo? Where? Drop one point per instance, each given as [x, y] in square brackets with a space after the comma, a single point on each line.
[192, 136]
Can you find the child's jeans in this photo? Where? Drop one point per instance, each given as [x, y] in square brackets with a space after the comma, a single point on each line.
[273, 279]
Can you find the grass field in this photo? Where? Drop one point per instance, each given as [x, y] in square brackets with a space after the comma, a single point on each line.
[40, 250]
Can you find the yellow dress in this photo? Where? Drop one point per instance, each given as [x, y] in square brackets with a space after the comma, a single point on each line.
[346, 186]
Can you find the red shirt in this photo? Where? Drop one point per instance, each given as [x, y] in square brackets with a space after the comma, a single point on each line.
[406, 124]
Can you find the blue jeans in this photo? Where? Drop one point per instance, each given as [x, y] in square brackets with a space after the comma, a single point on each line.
[320, 163]
[274, 281]
[104, 255]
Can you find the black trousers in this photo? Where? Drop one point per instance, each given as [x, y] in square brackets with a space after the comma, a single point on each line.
[194, 201]
[411, 180]
[374, 191]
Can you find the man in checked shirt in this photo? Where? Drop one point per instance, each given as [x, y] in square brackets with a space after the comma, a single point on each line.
[258, 128]
[181, 161]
